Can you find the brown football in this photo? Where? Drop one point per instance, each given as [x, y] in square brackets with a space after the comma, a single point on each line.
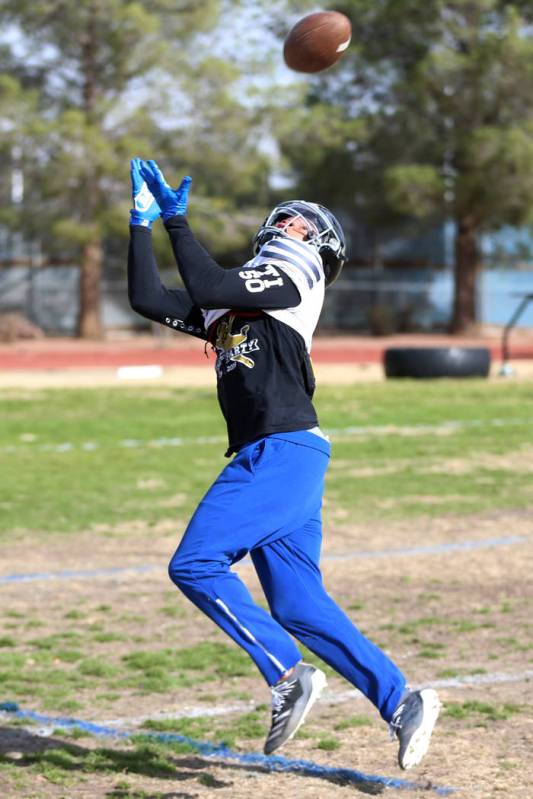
[317, 41]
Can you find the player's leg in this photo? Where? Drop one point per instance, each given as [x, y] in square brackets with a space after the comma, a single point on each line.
[289, 573]
[290, 576]
[260, 495]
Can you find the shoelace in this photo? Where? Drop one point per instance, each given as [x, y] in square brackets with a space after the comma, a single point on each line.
[280, 693]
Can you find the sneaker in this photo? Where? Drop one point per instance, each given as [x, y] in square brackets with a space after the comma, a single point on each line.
[292, 699]
[412, 723]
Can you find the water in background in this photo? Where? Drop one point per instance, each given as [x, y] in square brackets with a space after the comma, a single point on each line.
[384, 301]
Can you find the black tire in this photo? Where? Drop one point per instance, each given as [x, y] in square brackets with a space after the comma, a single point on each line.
[427, 362]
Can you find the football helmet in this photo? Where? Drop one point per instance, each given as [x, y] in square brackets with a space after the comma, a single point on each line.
[324, 233]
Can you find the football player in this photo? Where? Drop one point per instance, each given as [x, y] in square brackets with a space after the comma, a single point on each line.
[260, 319]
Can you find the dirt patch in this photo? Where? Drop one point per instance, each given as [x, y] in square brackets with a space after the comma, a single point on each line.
[442, 616]
[521, 460]
[343, 533]
[137, 543]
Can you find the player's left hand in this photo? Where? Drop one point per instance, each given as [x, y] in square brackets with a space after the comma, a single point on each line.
[145, 207]
[172, 201]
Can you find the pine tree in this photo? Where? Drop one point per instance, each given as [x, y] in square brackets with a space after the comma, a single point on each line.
[112, 79]
[430, 114]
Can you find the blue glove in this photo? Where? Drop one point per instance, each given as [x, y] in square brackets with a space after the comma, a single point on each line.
[172, 201]
[145, 208]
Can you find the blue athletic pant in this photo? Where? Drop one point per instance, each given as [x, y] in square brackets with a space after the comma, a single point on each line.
[267, 502]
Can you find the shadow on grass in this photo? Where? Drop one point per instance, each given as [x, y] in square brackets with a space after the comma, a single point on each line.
[56, 758]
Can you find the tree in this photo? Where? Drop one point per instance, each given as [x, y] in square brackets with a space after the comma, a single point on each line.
[106, 74]
[443, 92]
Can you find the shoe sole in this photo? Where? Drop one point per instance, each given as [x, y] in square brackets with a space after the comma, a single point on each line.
[318, 683]
[419, 743]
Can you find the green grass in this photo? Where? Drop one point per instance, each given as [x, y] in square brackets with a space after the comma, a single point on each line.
[208, 728]
[405, 475]
[114, 483]
[61, 764]
[328, 744]
[64, 672]
[71, 766]
[353, 721]
[63, 679]
[473, 709]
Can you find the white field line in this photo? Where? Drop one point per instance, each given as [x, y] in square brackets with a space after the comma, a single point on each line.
[185, 713]
[29, 441]
[468, 681]
[328, 697]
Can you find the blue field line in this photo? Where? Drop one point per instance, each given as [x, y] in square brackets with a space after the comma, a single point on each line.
[436, 549]
[71, 574]
[269, 762]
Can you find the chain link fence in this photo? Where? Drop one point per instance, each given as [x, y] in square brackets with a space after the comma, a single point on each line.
[377, 301]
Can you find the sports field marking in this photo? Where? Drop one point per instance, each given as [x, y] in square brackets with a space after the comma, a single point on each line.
[468, 681]
[445, 428]
[436, 549]
[221, 753]
[188, 713]
[328, 698]
[84, 574]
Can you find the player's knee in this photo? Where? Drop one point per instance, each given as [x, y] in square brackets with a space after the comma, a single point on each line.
[180, 571]
[187, 571]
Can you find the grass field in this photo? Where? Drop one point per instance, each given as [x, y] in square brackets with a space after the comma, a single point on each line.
[107, 478]
[74, 459]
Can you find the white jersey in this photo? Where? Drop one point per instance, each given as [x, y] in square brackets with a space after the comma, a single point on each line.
[303, 266]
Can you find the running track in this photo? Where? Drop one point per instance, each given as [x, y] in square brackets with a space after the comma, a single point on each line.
[61, 354]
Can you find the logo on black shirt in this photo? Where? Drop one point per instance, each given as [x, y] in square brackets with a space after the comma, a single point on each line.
[233, 348]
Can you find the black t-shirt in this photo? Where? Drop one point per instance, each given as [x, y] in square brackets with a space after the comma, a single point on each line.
[265, 381]
[259, 319]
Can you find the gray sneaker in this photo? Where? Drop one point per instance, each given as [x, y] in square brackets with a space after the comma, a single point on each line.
[412, 723]
[292, 699]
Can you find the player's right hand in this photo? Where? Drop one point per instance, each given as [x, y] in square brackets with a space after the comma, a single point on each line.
[172, 201]
[145, 207]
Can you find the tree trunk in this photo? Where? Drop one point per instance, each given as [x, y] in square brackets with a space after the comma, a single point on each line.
[90, 323]
[467, 268]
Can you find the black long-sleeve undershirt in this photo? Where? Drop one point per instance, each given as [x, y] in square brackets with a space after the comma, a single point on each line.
[264, 376]
[150, 298]
[211, 286]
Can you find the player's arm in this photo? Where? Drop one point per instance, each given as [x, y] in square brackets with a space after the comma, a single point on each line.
[209, 285]
[150, 298]
[147, 295]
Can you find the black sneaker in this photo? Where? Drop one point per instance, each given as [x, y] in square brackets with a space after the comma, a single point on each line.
[292, 699]
[412, 723]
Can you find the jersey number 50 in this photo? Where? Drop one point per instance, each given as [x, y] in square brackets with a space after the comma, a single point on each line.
[256, 281]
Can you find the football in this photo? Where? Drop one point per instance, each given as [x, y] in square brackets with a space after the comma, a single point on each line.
[317, 41]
